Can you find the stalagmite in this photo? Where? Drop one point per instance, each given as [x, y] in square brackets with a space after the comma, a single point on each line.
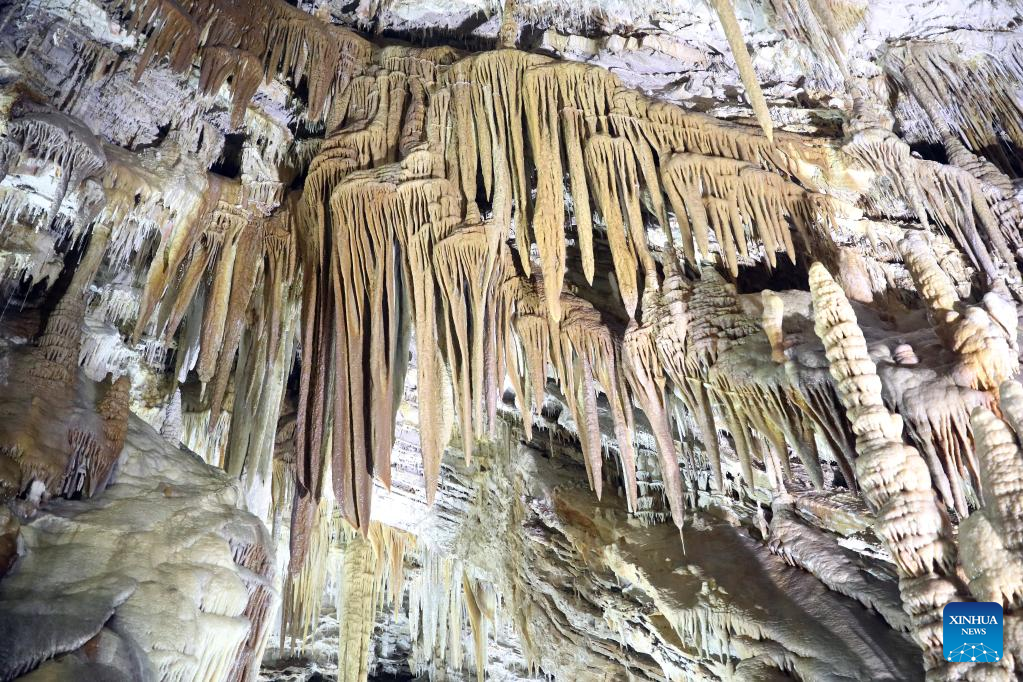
[114, 409]
[991, 537]
[357, 606]
[982, 336]
[774, 310]
[892, 475]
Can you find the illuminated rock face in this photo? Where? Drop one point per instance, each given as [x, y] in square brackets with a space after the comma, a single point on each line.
[617, 341]
[163, 576]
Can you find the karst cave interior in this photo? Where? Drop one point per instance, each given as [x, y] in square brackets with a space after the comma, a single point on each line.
[443, 340]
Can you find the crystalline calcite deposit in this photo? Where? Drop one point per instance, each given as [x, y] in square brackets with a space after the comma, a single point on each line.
[165, 577]
[603, 340]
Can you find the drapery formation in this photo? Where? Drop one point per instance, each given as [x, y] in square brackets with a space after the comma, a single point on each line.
[438, 235]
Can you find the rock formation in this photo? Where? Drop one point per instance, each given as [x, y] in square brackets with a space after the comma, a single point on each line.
[386, 338]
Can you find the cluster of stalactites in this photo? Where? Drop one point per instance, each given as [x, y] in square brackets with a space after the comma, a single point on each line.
[964, 93]
[611, 142]
[441, 598]
[736, 198]
[248, 43]
[484, 103]
[975, 213]
[53, 137]
[379, 231]
[412, 239]
[372, 568]
[824, 26]
[224, 277]
[729, 371]
[369, 576]
[588, 358]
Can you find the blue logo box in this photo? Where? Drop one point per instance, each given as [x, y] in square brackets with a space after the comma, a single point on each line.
[972, 632]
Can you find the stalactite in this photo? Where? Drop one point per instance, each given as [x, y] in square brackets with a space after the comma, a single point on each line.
[958, 203]
[248, 263]
[174, 32]
[56, 138]
[418, 213]
[880, 150]
[358, 145]
[265, 359]
[714, 321]
[815, 551]
[950, 196]
[549, 89]
[467, 270]
[479, 605]
[244, 69]
[307, 571]
[569, 111]
[643, 369]
[673, 324]
[369, 284]
[590, 356]
[730, 25]
[614, 180]
[530, 357]
[216, 307]
[418, 242]
[488, 92]
[172, 252]
[823, 26]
